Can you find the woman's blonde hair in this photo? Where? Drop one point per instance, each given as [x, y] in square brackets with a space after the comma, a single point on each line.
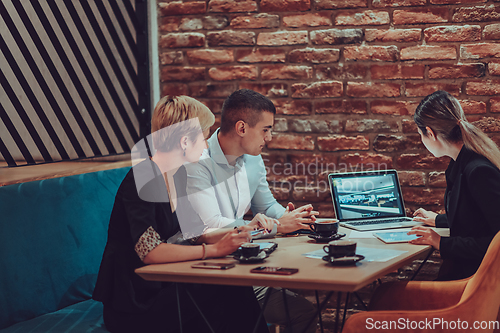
[444, 115]
[172, 110]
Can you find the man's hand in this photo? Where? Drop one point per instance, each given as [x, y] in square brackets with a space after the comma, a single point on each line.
[422, 215]
[296, 218]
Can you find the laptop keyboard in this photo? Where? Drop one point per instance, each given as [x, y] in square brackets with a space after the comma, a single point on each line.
[379, 221]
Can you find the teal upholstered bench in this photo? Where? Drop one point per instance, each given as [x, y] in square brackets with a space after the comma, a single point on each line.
[52, 236]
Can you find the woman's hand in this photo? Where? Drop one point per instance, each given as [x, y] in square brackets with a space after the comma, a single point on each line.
[229, 243]
[426, 236]
[422, 215]
[262, 221]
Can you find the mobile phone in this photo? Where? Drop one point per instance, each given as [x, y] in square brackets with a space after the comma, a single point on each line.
[274, 270]
[213, 265]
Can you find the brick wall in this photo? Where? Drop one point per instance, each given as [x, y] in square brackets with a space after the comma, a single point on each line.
[345, 76]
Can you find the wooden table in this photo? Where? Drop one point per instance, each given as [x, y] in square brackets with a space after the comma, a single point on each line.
[314, 274]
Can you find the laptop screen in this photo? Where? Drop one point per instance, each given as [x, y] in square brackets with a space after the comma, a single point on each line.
[365, 195]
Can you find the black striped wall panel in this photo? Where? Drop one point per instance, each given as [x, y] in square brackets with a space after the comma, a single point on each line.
[74, 79]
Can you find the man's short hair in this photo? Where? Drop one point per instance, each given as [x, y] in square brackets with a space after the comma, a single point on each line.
[246, 105]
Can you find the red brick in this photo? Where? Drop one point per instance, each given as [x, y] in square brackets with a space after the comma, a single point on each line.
[256, 21]
[437, 179]
[488, 124]
[400, 108]
[453, 2]
[286, 72]
[182, 8]
[232, 6]
[453, 33]
[271, 159]
[344, 106]
[311, 163]
[337, 4]
[280, 192]
[422, 161]
[483, 88]
[409, 125]
[198, 57]
[397, 3]
[230, 38]
[369, 17]
[371, 89]
[182, 74]
[427, 88]
[215, 105]
[392, 35]
[260, 55]
[212, 90]
[174, 89]
[370, 125]
[315, 56]
[480, 50]
[429, 52]
[423, 197]
[290, 141]
[170, 23]
[395, 143]
[420, 16]
[367, 161]
[336, 36]
[171, 58]
[491, 31]
[285, 5]
[186, 39]
[229, 73]
[282, 38]
[342, 142]
[292, 107]
[494, 68]
[473, 107]
[477, 14]
[397, 72]
[456, 71]
[349, 71]
[317, 89]
[267, 89]
[371, 53]
[411, 178]
[315, 126]
[495, 104]
[191, 24]
[215, 22]
[310, 194]
[307, 20]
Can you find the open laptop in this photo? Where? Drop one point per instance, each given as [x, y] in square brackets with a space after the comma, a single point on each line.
[369, 200]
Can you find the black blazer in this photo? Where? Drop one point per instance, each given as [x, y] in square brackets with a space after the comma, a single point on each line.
[472, 202]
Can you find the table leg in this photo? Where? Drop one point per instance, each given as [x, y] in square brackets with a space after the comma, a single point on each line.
[320, 308]
[199, 310]
[345, 311]
[336, 327]
[266, 298]
[422, 264]
[361, 301]
[319, 313]
[285, 304]
[178, 305]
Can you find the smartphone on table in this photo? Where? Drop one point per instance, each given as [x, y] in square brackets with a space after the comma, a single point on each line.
[274, 270]
[213, 265]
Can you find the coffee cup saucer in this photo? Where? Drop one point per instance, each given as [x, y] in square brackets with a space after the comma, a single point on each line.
[343, 261]
[250, 260]
[322, 239]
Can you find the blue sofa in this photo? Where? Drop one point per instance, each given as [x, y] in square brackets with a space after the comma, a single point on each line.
[52, 236]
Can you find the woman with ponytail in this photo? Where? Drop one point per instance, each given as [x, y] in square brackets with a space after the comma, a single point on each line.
[472, 196]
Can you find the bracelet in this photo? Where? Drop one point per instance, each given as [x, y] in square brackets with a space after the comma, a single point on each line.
[204, 251]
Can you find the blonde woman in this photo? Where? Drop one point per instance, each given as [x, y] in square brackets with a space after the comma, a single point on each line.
[472, 186]
[145, 228]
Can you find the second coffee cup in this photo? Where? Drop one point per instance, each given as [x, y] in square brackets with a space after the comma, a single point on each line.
[340, 248]
[250, 249]
[325, 227]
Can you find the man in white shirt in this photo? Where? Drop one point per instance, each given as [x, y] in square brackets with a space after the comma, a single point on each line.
[230, 179]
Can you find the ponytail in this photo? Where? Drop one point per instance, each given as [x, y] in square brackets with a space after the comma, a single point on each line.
[474, 139]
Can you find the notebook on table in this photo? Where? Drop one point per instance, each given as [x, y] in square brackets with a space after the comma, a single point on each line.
[369, 200]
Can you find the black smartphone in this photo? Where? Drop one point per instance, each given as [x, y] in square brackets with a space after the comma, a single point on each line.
[274, 270]
[213, 265]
